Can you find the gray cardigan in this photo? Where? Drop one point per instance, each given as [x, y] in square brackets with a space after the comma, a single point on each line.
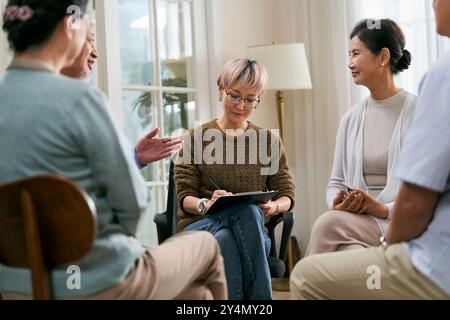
[50, 123]
[348, 155]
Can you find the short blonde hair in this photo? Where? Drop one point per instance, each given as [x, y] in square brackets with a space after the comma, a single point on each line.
[247, 72]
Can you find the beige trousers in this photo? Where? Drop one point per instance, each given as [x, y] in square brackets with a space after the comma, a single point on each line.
[373, 273]
[187, 266]
[340, 230]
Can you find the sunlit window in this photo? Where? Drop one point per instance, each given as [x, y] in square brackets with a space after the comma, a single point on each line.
[158, 81]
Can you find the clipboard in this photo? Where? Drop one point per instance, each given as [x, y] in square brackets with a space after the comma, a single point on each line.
[254, 197]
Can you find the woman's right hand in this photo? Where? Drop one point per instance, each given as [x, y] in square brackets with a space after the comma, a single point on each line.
[215, 196]
[350, 202]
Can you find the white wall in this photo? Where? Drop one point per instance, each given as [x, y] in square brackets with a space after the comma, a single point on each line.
[235, 25]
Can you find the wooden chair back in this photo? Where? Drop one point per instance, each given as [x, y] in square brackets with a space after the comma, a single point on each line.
[45, 221]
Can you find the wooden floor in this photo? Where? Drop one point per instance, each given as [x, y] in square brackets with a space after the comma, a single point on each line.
[281, 295]
[280, 289]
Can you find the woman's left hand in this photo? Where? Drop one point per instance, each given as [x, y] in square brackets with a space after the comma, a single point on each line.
[270, 208]
[374, 207]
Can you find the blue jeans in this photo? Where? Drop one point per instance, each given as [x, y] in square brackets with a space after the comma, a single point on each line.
[245, 247]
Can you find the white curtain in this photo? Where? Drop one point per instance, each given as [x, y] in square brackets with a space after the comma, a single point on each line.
[322, 26]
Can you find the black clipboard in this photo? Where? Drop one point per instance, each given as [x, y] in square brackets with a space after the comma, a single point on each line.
[255, 197]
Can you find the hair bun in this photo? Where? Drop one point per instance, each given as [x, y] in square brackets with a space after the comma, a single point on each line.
[30, 23]
[404, 62]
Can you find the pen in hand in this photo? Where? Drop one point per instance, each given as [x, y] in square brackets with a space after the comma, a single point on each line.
[214, 184]
[219, 191]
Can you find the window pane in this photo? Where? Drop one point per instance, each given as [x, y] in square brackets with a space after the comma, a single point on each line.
[93, 78]
[146, 232]
[179, 116]
[151, 173]
[135, 45]
[140, 113]
[140, 117]
[175, 43]
[145, 27]
[179, 112]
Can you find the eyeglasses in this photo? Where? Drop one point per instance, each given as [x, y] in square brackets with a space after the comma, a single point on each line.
[236, 99]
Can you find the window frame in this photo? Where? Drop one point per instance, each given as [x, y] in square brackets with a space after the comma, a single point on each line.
[110, 73]
[5, 52]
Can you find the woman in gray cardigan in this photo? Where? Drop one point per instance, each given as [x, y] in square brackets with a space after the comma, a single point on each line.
[362, 189]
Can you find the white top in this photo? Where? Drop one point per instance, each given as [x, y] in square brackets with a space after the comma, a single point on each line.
[348, 155]
[381, 117]
[425, 161]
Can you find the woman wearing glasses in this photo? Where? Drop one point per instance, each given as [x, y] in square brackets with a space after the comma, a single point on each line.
[226, 154]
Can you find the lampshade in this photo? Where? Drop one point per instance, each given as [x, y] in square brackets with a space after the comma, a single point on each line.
[286, 65]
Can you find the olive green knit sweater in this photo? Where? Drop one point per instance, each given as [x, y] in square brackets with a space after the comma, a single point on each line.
[216, 155]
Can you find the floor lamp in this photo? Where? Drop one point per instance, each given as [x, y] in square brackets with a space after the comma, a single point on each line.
[287, 67]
